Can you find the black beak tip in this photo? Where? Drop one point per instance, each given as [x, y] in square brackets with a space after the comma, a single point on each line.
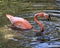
[49, 19]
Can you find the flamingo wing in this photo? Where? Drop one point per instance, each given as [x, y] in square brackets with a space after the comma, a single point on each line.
[19, 22]
[22, 23]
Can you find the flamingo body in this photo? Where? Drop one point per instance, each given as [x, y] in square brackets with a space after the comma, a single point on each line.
[19, 22]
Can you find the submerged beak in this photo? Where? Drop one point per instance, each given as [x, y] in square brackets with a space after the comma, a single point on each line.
[49, 18]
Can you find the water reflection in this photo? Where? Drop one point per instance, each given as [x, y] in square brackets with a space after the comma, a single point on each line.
[51, 32]
[53, 44]
[28, 38]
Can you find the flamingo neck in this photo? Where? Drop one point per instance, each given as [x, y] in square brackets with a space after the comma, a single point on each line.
[39, 23]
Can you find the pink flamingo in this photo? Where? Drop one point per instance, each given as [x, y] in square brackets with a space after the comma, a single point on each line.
[19, 22]
[22, 23]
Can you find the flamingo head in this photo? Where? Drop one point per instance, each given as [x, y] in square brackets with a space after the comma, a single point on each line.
[9, 16]
[43, 15]
[47, 16]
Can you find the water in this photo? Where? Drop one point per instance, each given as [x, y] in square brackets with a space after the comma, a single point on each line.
[23, 39]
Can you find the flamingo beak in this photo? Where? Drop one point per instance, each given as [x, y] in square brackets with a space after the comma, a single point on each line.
[49, 18]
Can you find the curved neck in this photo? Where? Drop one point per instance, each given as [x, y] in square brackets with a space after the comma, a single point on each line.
[39, 23]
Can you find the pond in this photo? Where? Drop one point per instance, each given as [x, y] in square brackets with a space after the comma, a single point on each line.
[26, 39]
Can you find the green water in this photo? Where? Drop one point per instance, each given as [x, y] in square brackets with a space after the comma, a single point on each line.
[21, 8]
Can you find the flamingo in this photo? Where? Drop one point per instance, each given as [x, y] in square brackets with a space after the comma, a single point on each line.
[19, 22]
[22, 23]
